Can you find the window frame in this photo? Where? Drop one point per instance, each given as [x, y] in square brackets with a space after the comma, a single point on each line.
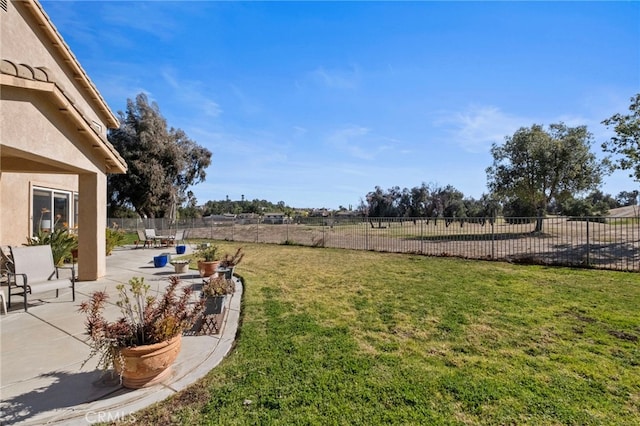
[60, 202]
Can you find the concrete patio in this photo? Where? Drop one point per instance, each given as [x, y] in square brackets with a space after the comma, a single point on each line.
[42, 380]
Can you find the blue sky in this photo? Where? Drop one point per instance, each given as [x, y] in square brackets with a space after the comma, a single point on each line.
[316, 103]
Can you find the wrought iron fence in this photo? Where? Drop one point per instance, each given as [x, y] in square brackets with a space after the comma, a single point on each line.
[606, 243]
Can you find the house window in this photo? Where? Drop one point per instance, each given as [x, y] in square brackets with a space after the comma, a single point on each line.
[53, 209]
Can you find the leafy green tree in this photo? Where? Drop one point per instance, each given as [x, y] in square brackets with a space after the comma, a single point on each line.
[595, 204]
[627, 198]
[163, 163]
[601, 202]
[536, 166]
[380, 203]
[626, 143]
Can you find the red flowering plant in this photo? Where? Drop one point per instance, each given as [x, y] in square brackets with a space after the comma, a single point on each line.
[146, 319]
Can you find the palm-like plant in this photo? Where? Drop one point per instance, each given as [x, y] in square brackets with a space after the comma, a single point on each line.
[62, 242]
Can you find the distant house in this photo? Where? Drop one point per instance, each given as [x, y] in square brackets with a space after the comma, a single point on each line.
[220, 218]
[54, 153]
[347, 213]
[247, 218]
[320, 213]
[275, 218]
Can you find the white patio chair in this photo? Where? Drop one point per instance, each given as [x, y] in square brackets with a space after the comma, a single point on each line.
[150, 233]
[34, 272]
[179, 236]
[142, 239]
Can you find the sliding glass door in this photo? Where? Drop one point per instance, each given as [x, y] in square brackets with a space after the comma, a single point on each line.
[52, 209]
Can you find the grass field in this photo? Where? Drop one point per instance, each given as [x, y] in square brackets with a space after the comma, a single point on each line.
[332, 336]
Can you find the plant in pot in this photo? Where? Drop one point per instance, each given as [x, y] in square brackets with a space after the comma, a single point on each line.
[181, 265]
[214, 292]
[144, 342]
[208, 259]
[62, 241]
[230, 261]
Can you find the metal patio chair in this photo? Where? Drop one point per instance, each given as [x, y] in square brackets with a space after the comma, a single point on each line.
[34, 272]
[142, 239]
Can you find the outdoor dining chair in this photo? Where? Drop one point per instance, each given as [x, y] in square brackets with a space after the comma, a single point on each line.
[150, 233]
[34, 272]
[142, 239]
[180, 236]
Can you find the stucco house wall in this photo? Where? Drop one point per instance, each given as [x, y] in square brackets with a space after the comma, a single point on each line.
[53, 125]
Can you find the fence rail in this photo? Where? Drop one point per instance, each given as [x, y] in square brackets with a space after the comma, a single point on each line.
[605, 243]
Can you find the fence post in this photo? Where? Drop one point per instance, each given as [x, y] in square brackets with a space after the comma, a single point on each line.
[421, 236]
[366, 236]
[588, 245]
[493, 239]
[323, 236]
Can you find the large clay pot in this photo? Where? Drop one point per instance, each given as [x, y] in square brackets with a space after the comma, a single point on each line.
[148, 365]
[207, 269]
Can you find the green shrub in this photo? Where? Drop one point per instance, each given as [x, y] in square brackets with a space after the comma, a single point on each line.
[114, 238]
[62, 242]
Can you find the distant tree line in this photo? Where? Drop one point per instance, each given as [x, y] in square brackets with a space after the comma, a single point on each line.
[535, 171]
[242, 206]
[426, 201]
[433, 201]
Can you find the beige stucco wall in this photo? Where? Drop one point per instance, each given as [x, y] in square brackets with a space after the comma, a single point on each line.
[16, 192]
[31, 122]
[53, 126]
[23, 41]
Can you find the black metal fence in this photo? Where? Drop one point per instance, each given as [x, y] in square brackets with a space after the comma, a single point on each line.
[606, 243]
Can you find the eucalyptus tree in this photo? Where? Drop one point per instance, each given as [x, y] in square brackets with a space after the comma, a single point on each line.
[163, 162]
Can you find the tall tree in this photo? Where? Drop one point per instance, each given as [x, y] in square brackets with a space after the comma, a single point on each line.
[380, 203]
[536, 166]
[626, 143]
[627, 198]
[163, 163]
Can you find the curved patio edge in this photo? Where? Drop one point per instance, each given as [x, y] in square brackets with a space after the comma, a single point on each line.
[59, 391]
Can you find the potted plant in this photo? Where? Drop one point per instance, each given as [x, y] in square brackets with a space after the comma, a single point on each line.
[62, 242]
[181, 265]
[208, 259]
[141, 345]
[214, 291]
[230, 261]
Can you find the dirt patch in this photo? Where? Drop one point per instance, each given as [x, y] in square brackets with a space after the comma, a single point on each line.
[623, 335]
[614, 244]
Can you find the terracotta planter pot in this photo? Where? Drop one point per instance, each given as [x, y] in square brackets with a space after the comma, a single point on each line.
[148, 365]
[207, 269]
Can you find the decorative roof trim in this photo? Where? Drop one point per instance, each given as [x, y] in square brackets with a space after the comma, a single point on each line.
[37, 78]
[58, 42]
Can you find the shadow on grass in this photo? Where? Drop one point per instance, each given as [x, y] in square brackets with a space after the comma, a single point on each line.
[480, 237]
[623, 256]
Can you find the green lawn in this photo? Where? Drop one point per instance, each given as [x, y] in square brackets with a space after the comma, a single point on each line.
[333, 336]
